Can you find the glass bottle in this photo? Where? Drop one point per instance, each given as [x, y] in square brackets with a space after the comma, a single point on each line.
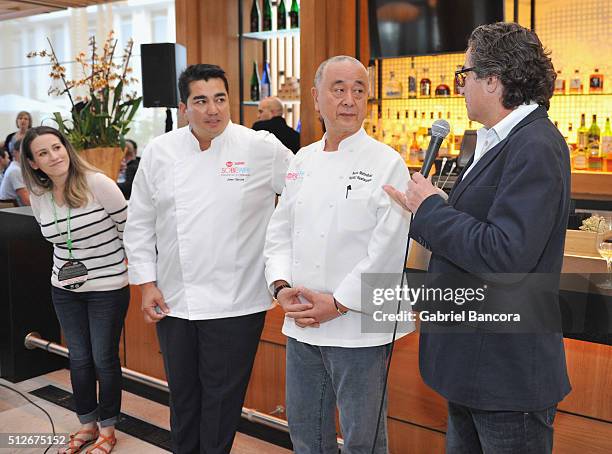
[393, 88]
[559, 84]
[583, 131]
[255, 15]
[294, 14]
[266, 86]
[451, 135]
[594, 137]
[596, 82]
[413, 156]
[576, 82]
[456, 88]
[425, 84]
[412, 81]
[442, 89]
[606, 146]
[281, 15]
[371, 80]
[266, 23]
[255, 83]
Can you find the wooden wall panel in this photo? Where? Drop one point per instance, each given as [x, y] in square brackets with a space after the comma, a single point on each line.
[142, 351]
[266, 389]
[590, 370]
[408, 439]
[575, 435]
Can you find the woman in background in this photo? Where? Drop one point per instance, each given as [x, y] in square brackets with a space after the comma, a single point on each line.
[83, 212]
[23, 123]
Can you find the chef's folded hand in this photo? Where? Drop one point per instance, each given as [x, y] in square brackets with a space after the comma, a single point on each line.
[154, 307]
[323, 309]
[418, 189]
[288, 300]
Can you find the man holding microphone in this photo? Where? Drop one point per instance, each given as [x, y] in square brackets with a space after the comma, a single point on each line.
[333, 224]
[507, 214]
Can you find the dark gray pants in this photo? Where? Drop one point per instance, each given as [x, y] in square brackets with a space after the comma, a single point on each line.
[208, 365]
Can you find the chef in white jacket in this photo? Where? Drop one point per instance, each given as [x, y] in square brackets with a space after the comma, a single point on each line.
[200, 204]
[334, 222]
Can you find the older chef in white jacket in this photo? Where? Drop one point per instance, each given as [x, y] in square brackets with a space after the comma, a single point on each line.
[334, 222]
[200, 204]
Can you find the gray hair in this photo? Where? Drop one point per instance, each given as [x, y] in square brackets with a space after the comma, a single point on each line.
[338, 58]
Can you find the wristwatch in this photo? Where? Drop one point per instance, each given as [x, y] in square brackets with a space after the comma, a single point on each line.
[338, 308]
[279, 288]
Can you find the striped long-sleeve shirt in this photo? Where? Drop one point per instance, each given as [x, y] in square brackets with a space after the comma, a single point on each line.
[96, 230]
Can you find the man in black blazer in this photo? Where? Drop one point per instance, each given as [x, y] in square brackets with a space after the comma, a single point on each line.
[507, 213]
[270, 118]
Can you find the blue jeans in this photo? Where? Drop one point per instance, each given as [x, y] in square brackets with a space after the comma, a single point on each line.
[92, 324]
[318, 379]
[472, 431]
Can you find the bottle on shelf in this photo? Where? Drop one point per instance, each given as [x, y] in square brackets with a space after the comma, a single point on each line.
[281, 15]
[393, 88]
[413, 154]
[582, 135]
[451, 135]
[596, 82]
[266, 85]
[575, 85]
[266, 22]
[456, 87]
[255, 83]
[255, 16]
[294, 14]
[442, 89]
[606, 146]
[594, 138]
[571, 138]
[425, 84]
[371, 80]
[559, 84]
[412, 81]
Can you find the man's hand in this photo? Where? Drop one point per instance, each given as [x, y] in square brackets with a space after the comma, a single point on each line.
[323, 309]
[152, 298]
[288, 300]
[417, 190]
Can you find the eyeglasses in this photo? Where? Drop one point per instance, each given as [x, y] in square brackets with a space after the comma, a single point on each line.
[460, 75]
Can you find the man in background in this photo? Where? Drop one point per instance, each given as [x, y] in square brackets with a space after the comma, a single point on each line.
[131, 166]
[270, 118]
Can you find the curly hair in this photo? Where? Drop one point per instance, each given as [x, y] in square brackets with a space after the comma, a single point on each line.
[516, 56]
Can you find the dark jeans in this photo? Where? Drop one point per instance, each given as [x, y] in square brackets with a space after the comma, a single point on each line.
[472, 431]
[208, 365]
[92, 324]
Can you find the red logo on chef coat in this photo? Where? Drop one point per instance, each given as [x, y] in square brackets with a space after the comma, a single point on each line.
[229, 163]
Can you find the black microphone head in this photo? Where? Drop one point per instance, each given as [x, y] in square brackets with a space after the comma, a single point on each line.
[440, 128]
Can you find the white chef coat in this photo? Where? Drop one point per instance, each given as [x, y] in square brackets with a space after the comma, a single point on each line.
[323, 235]
[197, 220]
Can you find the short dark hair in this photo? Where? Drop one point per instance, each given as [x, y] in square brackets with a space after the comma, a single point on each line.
[516, 56]
[199, 72]
[133, 142]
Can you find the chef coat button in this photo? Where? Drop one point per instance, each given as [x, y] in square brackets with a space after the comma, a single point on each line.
[317, 266]
[340, 177]
[322, 235]
[299, 202]
[331, 205]
[296, 263]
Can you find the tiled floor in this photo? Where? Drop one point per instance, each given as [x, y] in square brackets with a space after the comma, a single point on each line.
[17, 415]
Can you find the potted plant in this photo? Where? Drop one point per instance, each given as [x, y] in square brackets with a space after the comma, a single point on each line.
[100, 119]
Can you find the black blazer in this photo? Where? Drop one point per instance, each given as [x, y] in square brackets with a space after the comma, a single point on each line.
[130, 173]
[277, 126]
[509, 215]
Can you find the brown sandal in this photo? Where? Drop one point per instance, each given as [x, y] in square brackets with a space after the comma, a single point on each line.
[112, 441]
[73, 448]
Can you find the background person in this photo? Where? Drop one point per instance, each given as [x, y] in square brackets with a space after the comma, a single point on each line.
[23, 121]
[270, 118]
[82, 212]
[12, 186]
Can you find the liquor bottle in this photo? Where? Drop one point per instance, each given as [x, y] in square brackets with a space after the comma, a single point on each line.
[576, 82]
[451, 135]
[371, 80]
[412, 81]
[594, 137]
[255, 15]
[294, 14]
[456, 87]
[266, 23]
[425, 84]
[583, 132]
[255, 83]
[559, 84]
[413, 156]
[266, 86]
[393, 88]
[606, 146]
[442, 89]
[281, 15]
[596, 82]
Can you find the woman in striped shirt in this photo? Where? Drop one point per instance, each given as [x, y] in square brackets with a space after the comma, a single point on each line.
[82, 212]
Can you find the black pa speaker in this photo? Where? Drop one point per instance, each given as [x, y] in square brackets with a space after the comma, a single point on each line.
[162, 64]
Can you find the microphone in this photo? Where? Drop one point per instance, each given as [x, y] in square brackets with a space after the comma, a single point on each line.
[439, 130]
